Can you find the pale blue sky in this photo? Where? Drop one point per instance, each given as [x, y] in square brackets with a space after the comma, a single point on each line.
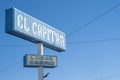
[96, 56]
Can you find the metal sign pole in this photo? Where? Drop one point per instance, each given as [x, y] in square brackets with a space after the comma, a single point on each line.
[40, 69]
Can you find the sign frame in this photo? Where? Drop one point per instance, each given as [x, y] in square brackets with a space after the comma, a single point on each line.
[55, 38]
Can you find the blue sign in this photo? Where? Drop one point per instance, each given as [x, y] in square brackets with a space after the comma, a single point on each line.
[29, 28]
[40, 61]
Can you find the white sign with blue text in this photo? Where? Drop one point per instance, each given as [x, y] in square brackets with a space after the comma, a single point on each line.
[27, 27]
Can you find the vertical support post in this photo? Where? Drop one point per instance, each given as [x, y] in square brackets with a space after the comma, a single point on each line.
[40, 69]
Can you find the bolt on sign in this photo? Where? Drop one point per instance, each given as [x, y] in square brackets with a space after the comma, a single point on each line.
[29, 28]
[40, 61]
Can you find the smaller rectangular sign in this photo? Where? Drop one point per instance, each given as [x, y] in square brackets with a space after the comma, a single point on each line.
[40, 61]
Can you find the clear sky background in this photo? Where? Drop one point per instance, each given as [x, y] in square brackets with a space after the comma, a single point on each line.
[92, 28]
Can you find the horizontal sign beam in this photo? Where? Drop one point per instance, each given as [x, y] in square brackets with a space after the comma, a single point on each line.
[29, 28]
[40, 61]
